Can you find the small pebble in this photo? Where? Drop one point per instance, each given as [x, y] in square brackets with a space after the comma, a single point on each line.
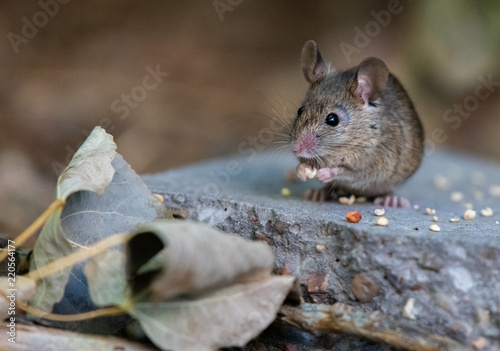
[430, 212]
[285, 192]
[408, 309]
[435, 219]
[441, 182]
[495, 190]
[435, 228]
[379, 212]
[487, 212]
[382, 221]
[454, 219]
[469, 214]
[416, 207]
[456, 196]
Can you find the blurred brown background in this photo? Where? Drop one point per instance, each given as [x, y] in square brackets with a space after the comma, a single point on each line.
[230, 63]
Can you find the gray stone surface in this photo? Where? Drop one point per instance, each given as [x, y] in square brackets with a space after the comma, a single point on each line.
[453, 275]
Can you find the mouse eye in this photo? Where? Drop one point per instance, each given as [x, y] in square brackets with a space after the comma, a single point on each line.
[332, 119]
[300, 111]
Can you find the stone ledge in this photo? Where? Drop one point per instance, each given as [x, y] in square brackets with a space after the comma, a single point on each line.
[453, 275]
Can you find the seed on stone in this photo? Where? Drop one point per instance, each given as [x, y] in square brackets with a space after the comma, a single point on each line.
[441, 182]
[456, 196]
[478, 179]
[430, 212]
[347, 200]
[487, 212]
[311, 173]
[454, 219]
[469, 214]
[320, 248]
[379, 212]
[353, 217]
[478, 195]
[285, 192]
[434, 228]
[408, 309]
[361, 200]
[382, 221]
[495, 190]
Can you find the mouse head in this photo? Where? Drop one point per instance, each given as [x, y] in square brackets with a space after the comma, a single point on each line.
[339, 108]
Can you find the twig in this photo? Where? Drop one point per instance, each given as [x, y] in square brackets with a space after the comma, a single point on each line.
[21, 238]
[77, 256]
[341, 318]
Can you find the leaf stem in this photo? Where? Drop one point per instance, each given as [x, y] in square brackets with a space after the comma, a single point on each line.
[21, 238]
[108, 311]
[77, 256]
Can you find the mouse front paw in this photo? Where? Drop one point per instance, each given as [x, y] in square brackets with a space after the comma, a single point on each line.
[304, 171]
[326, 175]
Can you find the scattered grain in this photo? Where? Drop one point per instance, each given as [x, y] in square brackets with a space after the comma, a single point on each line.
[311, 173]
[353, 217]
[469, 214]
[320, 248]
[382, 221]
[430, 212]
[456, 196]
[347, 200]
[478, 179]
[379, 212]
[486, 212]
[285, 192]
[495, 190]
[361, 200]
[441, 182]
[468, 206]
[408, 309]
[416, 207]
[435, 219]
[454, 219]
[478, 195]
[435, 228]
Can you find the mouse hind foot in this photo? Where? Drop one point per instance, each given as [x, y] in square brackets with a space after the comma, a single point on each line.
[392, 201]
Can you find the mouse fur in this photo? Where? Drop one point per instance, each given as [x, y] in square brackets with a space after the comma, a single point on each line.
[379, 140]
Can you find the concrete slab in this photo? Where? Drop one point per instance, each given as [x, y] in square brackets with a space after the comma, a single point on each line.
[452, 275]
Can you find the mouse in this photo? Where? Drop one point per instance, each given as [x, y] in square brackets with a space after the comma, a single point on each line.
[356, 130]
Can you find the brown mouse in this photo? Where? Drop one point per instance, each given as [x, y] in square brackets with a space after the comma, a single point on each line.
[358, 128]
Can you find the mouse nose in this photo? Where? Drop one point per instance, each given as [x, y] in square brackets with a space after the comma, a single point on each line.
[305, 145]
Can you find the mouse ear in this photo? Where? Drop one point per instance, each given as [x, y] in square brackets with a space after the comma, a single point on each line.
[312, 63]
[372, 78]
